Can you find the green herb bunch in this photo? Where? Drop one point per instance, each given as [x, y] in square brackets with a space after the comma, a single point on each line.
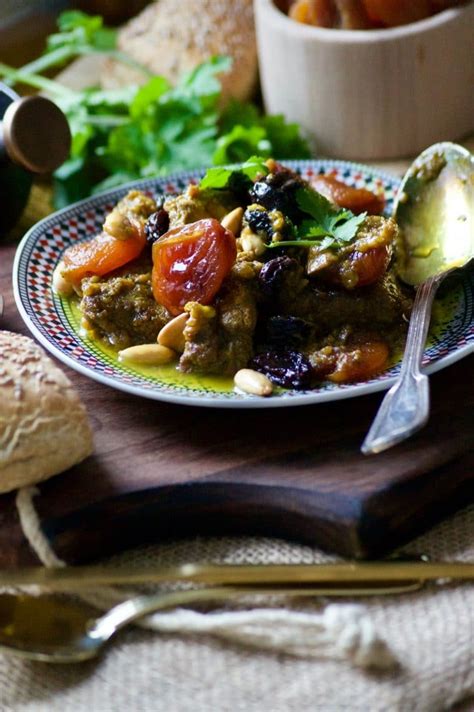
[148, 130]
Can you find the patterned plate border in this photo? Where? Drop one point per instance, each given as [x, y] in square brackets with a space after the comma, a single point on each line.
[47, 319]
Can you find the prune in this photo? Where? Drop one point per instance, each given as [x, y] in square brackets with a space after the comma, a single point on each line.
[289, 369]
[277, 192]
[157, 225]
[259, 221]
[286, 332]
[274, 272]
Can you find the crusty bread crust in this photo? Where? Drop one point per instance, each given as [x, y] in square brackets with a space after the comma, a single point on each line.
[171, 38]
[43, 424]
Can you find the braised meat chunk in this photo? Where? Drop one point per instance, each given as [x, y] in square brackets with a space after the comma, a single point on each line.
[195, 204]
[377, 305]
[120, 308]
[219, 339]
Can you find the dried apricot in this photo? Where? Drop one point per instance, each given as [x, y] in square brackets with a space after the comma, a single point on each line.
[101, 255]
[396, 12]
[361, 363]
[190, 263]
[358, 200]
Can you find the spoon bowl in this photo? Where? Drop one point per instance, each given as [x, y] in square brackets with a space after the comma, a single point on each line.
[46, 628]
[434, 210]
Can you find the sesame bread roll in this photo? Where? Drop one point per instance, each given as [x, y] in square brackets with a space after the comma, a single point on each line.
[43, 424]
[171, 38]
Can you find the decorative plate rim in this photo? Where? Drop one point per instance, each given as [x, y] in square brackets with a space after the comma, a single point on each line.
[231, 400]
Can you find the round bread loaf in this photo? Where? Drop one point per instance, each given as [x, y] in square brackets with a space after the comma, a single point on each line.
[172, 37]
[43, 424]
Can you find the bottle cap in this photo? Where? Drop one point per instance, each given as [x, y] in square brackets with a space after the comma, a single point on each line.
[36, 134]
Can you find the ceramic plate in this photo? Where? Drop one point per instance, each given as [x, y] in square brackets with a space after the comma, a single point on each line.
[55, 323]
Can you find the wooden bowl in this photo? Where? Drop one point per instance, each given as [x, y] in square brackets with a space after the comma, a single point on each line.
[369, 94]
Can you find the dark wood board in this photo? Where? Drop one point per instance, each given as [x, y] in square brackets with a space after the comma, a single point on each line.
[162, 471]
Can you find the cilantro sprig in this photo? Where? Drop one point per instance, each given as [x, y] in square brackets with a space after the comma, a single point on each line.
[328, 228]
[219, 178]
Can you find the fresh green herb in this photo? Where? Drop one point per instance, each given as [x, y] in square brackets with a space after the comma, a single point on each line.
[80, 34]
[245, 131]
[235, 146]
[218, 178]
[153, 129]
[329, 227]
[77, 30]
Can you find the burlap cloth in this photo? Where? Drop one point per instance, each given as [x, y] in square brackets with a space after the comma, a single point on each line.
[431, 633]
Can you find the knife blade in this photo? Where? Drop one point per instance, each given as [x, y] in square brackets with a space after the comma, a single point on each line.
[334, 574]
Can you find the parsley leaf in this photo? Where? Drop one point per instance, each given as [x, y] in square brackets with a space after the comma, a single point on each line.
[78, 30]
[216, 178]
[219, 178]
[285, 138]
[329, 228]
[315, 204]
[244, 131]
[345, 231]
[203, 81]
[239, 143]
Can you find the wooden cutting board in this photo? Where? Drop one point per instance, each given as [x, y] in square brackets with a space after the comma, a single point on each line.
[163, 471]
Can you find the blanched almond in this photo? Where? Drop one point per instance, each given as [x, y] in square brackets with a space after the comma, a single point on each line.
[253, 382]
[147, 354]
[252, 243]
[172, 334]
[233, 220]
[61, 285]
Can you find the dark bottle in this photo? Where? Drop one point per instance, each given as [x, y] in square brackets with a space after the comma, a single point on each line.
[34, 138]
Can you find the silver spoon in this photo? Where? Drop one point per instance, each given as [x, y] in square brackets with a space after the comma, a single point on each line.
[434, 209]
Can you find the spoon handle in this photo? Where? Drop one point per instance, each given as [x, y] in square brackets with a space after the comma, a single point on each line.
[103, 628]
[405, 408]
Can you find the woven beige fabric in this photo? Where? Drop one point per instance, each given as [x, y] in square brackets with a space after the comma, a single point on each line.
[430, 632]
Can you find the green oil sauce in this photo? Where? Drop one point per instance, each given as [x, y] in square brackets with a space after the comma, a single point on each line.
[167, 374]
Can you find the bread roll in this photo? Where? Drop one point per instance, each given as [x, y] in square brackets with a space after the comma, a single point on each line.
[171, 37]
[43, 424]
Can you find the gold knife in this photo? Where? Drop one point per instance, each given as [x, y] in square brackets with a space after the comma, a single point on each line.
[343, 575]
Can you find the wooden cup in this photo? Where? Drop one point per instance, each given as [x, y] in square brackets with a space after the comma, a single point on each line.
[369, 94]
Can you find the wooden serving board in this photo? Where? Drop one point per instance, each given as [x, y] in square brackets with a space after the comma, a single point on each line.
[166, 471]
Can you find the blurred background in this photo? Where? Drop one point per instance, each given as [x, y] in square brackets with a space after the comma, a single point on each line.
[24, 24]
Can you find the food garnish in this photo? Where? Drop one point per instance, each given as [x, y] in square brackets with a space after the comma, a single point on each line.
[329, 227]
[235, 178]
